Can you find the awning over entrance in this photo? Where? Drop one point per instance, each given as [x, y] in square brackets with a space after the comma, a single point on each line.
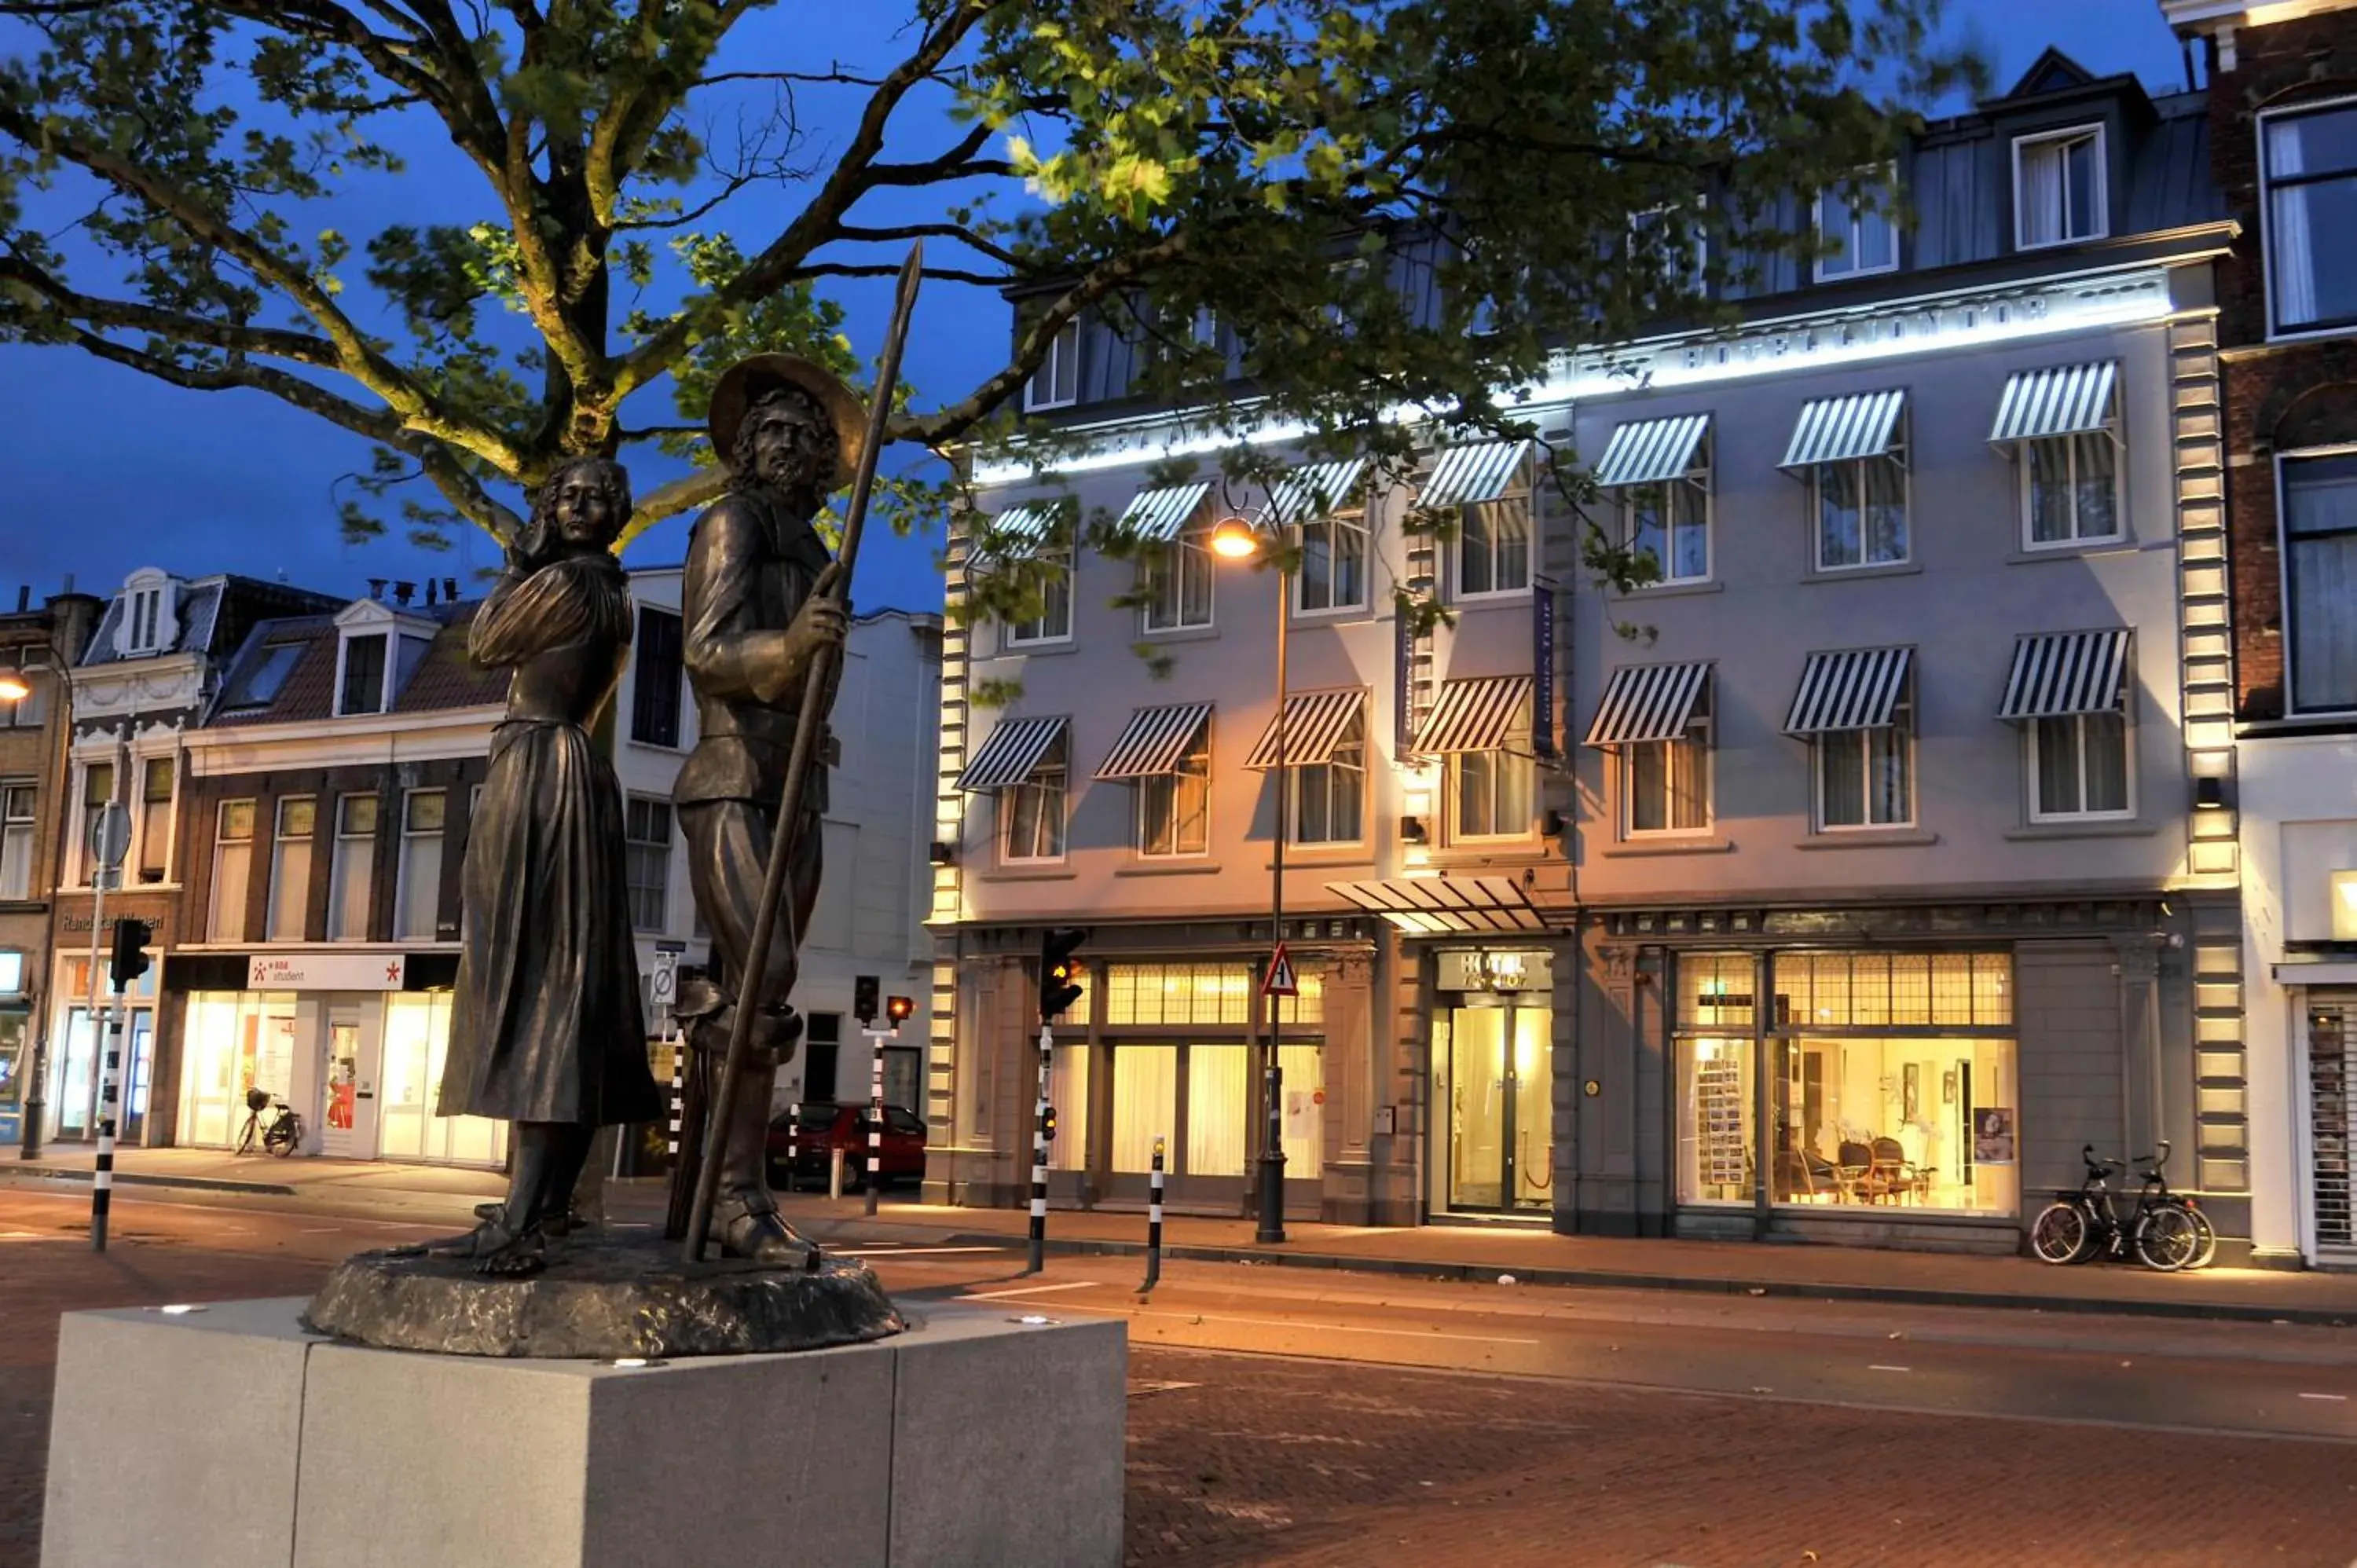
[1160, 514]
[1482, 472]
[2058, 673]
[1475, 716]
[1448, 906]
[1010, 754]
[1857, 688]
[1647, 702]
[1316, 489]
[1155, 741]
[1315, 724]
[2061, 400]
[1836, 429]
[1650, 450]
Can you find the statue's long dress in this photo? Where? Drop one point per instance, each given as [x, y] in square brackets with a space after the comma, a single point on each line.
[545, 1025]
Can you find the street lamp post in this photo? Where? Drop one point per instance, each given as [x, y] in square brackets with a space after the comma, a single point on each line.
[1238, 540]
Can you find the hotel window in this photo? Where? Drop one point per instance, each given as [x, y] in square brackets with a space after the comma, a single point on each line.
[417, 895]
[1665, 784]
[361, 687]
[1866, 777]
[1332, 575]
[1493, 545]
[17, 796]
[1051, 578]
[156, 777]
[1669, 522]
[2078, 766]
[1330, 797]
[232, 870]
[290, 869]
[2319, 568]
[2071, 489]
[1174, 808]
[1057, 383]
[1861, 510]
[97, 793]
[1490, 792]
[646, 834]
[655, 677]
[1668, 262]
[351, 879]
[1176, 587]
[1031, 811]
[2058, 187]
[2312, 217]
[1855, 220]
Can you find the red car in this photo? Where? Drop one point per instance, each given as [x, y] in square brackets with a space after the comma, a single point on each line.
[825, 1128]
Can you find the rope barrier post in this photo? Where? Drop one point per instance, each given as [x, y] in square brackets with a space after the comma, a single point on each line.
[1154, 1222]
[1039, 1259]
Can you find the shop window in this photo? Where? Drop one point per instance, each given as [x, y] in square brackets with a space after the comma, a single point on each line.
[655, 677]
[290, 869]
[1716, 1096]
[646, 832]
[351, 878]
[1330, 797]
[232, 870]
[1843, 990]
[1714, 991]
[18, 840]
[417, 893]
[1916, 1124]
[97, 793]
[1219, 1099]
[1197, 993]
[1144, 1104]
[1068, 1091]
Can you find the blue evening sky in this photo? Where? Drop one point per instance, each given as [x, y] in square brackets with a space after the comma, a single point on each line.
[107, 470]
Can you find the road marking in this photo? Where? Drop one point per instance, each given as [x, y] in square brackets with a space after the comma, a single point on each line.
[1325, 1328]
[1027, 1290]
[911, 1252]
[2336, 1399]
[1873, 1367]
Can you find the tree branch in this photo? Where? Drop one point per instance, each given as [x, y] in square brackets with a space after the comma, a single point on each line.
[951, 164]
[886, 270]
[88, 310]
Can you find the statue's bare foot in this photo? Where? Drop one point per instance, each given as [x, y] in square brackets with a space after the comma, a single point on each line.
[761, 1236]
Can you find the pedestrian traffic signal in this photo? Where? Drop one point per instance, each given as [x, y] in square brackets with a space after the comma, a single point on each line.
[130, 960]
[1059, 971]
[865, 990]
[897, 1010]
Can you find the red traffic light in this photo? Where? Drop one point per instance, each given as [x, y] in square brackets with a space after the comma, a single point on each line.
[897, 1009]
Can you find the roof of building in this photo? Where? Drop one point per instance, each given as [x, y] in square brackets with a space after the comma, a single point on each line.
[285, 672]
[213, 615]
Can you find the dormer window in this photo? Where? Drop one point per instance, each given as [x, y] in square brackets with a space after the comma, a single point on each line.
[2058, 187]
[147, 623]
[359, 684]
[1057, 383]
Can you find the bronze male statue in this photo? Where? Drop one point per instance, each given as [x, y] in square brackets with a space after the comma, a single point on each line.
[755, 614]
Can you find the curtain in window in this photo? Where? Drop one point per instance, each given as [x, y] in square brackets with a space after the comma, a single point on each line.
[2095, 485]
[1068, 1091]
[2079, 163]
[1837, 515]
[2291, 241]
[1689, 786]
[1304, 1068]
[1689, 555]
[1145, 1103]
[1218, 1090]
[2041, 194]
[2106, 761]
[1885, 527]
[2050, 491]
[1842, 784]
[2058, 767]
[1886, 756]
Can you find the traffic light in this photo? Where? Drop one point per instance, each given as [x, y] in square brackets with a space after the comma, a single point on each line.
[1048, 1125]
[130, 961]
[865, 990]
[897, 1010]
[1059, 973]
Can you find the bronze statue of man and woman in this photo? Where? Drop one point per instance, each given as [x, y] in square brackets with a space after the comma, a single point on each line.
[547, 1030]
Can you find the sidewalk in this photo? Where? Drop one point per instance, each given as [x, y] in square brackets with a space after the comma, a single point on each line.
[215, 1170]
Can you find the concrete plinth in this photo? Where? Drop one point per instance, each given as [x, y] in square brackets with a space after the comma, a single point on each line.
[230, 1436]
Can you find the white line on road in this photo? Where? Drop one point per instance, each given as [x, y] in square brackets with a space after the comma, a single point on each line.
[1027, 1290]
[1873, 1367]
[1327, 1327]
[855, 1249]
[2336, 1399]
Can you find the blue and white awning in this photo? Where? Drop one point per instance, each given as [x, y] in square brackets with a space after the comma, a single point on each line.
[1647, 703]
[2058, 673]
[1648, 451]
[1315, 724]
[1159, 514]
[1837, 429]
[1478, 715]
[1857, 688]
[1318, 489]
[1482, 472]
[1155, 741]
[1012, 754]
[2061, 400]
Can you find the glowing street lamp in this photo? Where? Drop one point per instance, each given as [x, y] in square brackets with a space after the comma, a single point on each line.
[14, 687]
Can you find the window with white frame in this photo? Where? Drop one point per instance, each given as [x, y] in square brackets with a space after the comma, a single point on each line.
[29, 711]
[1866, 777]
[1174, 808]
[290, 869]
[97, 792]
[1332, 575]
[352, 877]
[1494, 545]
[361, 688]
[232, 870]
[1855, 218]
[1031, 812]
[1665, 258]
[1057, 383]
[18, 797]
[1329, 798]
[157, 775]
[2071, 489]
[1861, 510]
[1052, 579]
[417, 891]
[2078, 766]
[145, 608]
[2058, 187]
[1670, 521]
[1665, 784]
[1490, 792]
[1175, 581]
[646, 834]
[2319, 570]
[2310, 169]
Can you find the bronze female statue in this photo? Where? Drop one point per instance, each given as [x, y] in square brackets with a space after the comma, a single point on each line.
[545, 1028]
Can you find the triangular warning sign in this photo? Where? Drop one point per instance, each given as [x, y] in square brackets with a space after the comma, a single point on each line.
[1279, 981]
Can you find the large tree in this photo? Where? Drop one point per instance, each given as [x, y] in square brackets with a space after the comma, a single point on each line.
[170, 173]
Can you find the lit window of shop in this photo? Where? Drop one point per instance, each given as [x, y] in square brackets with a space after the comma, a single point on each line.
[419, 891]
[1718, 1090]
[232, 870]
[1206, 993]
[352, 878]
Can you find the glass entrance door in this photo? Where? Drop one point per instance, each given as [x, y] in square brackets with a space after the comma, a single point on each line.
[76, 1112]
[1499, 1092]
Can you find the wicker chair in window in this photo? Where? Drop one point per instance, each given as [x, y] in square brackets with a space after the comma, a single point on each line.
[1892, 1174]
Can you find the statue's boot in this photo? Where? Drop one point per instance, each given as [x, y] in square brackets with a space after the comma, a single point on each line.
[744, 1215]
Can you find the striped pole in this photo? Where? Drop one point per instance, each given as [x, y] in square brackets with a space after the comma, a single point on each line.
[1154, 1222]
[102, 1186]
[875, 1039]
[1039, 1157]
[793, 1146]
[678, 1085]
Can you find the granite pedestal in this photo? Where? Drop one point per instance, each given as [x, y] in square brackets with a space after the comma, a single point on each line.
[228, 1436]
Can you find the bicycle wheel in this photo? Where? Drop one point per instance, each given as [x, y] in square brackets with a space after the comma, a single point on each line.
[2206, 1234]
[284, 1136]
[245, 1139]
[2061, 1232]
[2166, 1238]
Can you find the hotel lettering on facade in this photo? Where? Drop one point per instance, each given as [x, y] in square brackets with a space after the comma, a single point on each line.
[1887, 871]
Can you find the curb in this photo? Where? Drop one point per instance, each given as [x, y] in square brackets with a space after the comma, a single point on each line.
[1595, 1278]
[131, 1179]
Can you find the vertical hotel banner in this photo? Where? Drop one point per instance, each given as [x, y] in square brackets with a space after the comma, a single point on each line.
[1404, 679]
[1543, 668]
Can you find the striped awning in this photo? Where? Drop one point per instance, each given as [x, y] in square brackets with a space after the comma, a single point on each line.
[1448, 906]
[2061, 400]
[1482, 472]
[1647, 702]
[1836, 429]
[1012, 752]
[2057, 673]
[1314, 490]
[1648, 451]
[1160, 514]
[1019, 529]
[1155, 741]
[1857, 688]
[1476, 715]
[1315, 724]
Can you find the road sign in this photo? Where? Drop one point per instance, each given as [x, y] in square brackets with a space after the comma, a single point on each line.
[110, 836]
[1279, 981]
[663, 986]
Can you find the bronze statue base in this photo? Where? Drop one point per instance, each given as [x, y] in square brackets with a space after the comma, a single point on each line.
[600, 1300]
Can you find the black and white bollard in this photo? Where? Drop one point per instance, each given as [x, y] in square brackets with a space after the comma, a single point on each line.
[874, 1120]
[678, 1093]
[1039, 1259]
[102, 1185]
[793, 1146]
[1154, 1222]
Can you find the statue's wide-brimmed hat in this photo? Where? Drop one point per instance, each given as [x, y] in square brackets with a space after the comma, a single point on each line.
[747, 381]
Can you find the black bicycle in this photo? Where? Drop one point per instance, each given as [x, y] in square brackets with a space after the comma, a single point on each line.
[2167, 1231]
[279, 1134]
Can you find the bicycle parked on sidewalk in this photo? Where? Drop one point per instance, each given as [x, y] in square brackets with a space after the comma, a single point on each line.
[281, 1134]
[2167, 1231]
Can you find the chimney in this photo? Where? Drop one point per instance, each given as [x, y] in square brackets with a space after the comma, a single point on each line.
[450, 590]
[376, 587]
[429, 593]
[403, 592]
[24, 598]
[68, 587]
